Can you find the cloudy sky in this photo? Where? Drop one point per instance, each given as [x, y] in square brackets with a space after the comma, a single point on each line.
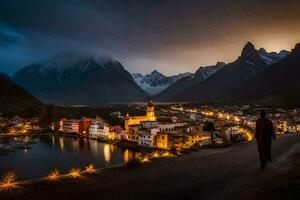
[172, 36]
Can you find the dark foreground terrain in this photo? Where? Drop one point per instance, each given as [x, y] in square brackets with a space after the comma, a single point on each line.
[228, 173]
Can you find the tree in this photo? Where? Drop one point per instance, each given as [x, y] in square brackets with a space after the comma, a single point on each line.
[208, 126]
[49, 119]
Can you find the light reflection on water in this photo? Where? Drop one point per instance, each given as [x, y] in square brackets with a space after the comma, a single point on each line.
[49, 152]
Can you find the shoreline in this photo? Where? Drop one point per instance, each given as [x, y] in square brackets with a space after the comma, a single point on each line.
[231, 172]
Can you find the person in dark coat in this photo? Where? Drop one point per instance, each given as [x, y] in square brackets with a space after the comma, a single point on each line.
[264, 132]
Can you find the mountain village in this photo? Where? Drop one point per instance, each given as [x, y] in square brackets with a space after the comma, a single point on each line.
[169, 132]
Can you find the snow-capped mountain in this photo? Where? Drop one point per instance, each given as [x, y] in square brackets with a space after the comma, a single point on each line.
[272, 57]
[70, 78]
[186, 82]
[204, 72]
[155, 82]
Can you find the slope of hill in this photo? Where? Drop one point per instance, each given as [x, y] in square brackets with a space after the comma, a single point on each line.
[71, 78]
[15, 100]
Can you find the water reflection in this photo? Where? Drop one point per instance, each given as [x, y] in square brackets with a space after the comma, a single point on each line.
[106, 153]
[61, 143]
[128, 155]
[50, 152]
[75, 144]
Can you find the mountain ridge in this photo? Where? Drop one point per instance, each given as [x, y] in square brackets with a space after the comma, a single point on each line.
[79, 80]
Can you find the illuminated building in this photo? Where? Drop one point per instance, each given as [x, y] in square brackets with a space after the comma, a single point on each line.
[69, 125]
[171, 140]
[132, 133]
[298, 127]
[178, 141]
[147, 137]
[99, 129]
[132, 120]
[162, 140]
[117, 133]
[169, 126]
[198, 137]
[75, 125]
[291, 127]
[84, 125]
[282, 127]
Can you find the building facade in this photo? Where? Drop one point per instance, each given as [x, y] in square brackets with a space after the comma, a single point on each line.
[150, 116]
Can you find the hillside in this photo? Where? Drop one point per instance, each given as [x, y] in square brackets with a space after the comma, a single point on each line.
[15, 100]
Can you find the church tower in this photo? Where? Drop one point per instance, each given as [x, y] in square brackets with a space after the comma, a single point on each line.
[150, 111]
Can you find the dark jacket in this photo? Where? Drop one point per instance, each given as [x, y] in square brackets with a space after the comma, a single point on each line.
[264, 131]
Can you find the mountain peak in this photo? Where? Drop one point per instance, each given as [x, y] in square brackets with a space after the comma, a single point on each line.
[155, 72]
[297, 49]
[248, 50]
[262, 50]
[220, 64]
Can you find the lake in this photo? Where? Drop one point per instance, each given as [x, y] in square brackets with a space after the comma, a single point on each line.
[49, 152]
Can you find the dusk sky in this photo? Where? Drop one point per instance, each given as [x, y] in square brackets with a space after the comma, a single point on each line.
[172, 36]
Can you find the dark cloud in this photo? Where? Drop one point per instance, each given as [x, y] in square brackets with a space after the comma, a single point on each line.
[173, 36]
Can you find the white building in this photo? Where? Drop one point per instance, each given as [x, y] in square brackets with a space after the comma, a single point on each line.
[147, 137]
[99, 129]
[193, 117]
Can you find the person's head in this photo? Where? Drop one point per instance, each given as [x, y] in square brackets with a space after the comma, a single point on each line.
[263, 113]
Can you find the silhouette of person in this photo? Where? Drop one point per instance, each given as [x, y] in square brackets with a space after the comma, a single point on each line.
[264, 132]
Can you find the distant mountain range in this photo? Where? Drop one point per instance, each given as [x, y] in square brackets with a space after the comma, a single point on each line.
[72, 78]
[256, 76]
[155, 82]
[183, 84]
[15, 100]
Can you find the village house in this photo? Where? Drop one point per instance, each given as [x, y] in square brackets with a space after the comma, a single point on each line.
[162, 140]
[132, 133]
[198, 137]
[69, 125]
[99, 129]
[117, 133]
[147, 137]
[75, 125]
